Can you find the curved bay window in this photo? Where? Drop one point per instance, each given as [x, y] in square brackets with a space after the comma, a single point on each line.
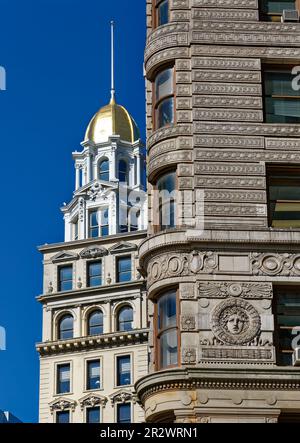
[95, 323]
[161, 8]
[164, 101]
[167, 344]
[166, 187]
[104, 170]
[125, 319]
[66, 327]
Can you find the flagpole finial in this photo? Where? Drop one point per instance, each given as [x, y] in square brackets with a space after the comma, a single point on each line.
[113, 92]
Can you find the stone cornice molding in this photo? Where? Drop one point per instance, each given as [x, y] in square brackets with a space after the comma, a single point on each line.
[96, 342]
[62, 404]
[193, 378]
[92, 400]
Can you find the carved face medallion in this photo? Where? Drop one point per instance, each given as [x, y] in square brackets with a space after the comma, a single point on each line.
[235, 322]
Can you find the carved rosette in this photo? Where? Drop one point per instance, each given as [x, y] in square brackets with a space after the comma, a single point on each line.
[235, 322]
[188, 322]
[189, 356]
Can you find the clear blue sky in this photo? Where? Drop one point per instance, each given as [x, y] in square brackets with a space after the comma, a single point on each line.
[56, 55]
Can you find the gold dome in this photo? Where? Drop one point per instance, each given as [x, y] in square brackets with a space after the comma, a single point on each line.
[111, 120]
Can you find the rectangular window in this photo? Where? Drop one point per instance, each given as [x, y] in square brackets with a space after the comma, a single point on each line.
[284, 196]
[167, 330]
[124, 269]
[93, 224]
[161, 12]
[282, 100]
[272, 10]
[124, 370]
[287, 300]
[124, 413]
[93, 375]
[93, 415]
[63, 417]
[63, 379]
[95, 274]
[104, 228]
[65, 278]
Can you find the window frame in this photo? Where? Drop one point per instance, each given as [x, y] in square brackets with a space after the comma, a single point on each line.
[117, 358]
[99, 226]
[158, 333]
[59, 281]
[155, 8]
[87, 408]
[157, 216]
[89, 314]
[103, 160]
[277, 16]
[118, 311]
[157, 103]
[86, 379]
[58, 328]
[273, 68]
[117, 411]
[57, 366]
[64, 411]
[118, 259]
[88, 276]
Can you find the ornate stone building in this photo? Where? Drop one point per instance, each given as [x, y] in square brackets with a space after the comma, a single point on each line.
[95, 336]
[223, 114]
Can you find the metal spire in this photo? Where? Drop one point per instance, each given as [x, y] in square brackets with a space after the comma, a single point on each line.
[112, 27]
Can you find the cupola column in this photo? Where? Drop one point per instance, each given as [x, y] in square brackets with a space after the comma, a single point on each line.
[77, 182]
[113, 163]
[138, 170]
[89, 167]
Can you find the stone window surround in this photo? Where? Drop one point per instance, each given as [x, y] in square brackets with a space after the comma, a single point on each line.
[55, 368]
[124, 354]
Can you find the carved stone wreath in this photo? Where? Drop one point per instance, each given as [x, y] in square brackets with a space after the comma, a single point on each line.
[249, 321]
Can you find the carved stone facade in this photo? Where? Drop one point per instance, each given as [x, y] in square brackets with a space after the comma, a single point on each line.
[226, 274]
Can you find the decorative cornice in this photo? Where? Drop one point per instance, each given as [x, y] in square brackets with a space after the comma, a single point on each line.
[96, 342]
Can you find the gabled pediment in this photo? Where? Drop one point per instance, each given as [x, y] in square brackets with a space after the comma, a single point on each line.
[62, 404]
[122, 396]
[93, 252]
[64, 256]
[95, 189]
[122, 247]
[92, 400]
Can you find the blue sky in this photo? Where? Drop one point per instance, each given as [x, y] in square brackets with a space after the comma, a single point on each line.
[56, 56]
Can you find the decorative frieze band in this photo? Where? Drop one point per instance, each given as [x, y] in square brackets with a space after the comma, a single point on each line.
[235, 196]
[169, 132]
[282, 143]
[211, 101]
[164, 56]
[230, 182]
[270, 27]
[166, 41]
[227, 141]
[275, 264]
[243, 51]
[171, 158]
[229, 168]
[234, 4]
[226, 76]
[254, 291]
[226, 63]
[247, 129]
[235, 210]
[246, 354]
[247, 156]
[226, 14]
[228, 115]
[226, 89]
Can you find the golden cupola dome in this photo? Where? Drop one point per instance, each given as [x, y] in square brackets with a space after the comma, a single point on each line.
[112, 120]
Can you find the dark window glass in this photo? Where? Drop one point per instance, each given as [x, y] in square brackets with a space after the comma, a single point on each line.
[93, 375]
[272, 9]
[95, 274]
[93, 415]
[104, 170]
[63, 379]
[124, 413]
[164, 99]
[104, 223]
[123, 171]
[163, 13]
[96, 323]
[284, 197]
[125, 319]
[76, 230]
[282, 102]
[63, 417]
[288, 322]
[65, 329]
[65, 278]
[124, 269]
[166, 186]
[123, 370]
[93, 225]
[134, 220]
[167, 330]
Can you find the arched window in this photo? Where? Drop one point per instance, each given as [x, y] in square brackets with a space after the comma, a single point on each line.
[125, 319]
[66, 327]
[95, 323]
[104, 170]
[123, 171]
